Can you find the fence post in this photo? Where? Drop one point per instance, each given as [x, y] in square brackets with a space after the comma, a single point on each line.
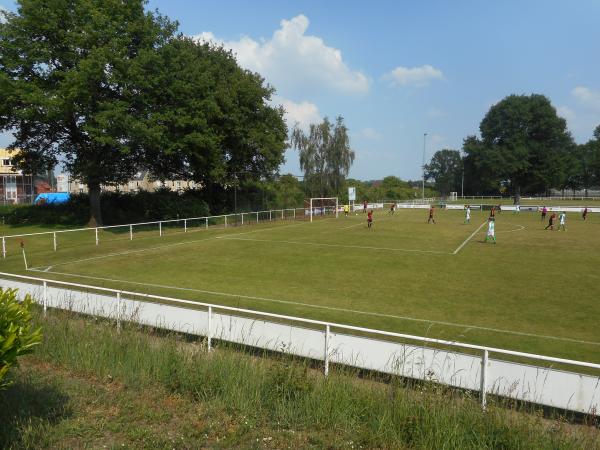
[3, 247]
[326, 356]
[54, 240]
[225, 221]
[256, 217]
[282, 214]
[209, 331]
[45, 297]
[96, 236]
[206, 222]
[185, 225]
[242, 218]
[131, 232]
[270, 215]
[160, 229]
[294, 213]
[484, 376]
[118, 311]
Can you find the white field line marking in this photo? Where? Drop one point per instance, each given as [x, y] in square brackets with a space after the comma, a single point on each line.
[468, 239]
[128, 252]
[158, 247]
[511, 231]
[331, 308]
[317, 244]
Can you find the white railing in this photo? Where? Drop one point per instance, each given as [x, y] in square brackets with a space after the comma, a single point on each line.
[475, 197]
[160, 226]
[560, 197]
[462, 365]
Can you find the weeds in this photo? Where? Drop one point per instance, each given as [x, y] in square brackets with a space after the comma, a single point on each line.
[270, 401]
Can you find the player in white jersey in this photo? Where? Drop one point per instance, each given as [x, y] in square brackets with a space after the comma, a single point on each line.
[468, 214]
[517, 209]
[562, 221]
[491, 232]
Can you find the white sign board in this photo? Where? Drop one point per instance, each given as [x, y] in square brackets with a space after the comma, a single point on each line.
[351, 194]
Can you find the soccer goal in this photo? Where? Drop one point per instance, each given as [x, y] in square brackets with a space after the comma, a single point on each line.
[321, 206]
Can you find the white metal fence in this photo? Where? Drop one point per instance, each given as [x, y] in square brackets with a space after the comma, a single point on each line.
[487, 370]
[161, 227]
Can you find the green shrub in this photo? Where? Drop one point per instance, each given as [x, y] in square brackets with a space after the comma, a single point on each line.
[17, 337]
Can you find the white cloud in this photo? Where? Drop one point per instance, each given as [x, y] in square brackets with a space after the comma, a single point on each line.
[293, 60]
[370, 134]
[587, 97]
[303, 113]
[415, 76]
[566, 113]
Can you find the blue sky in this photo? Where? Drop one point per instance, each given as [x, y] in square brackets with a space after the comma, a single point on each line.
[395, 69]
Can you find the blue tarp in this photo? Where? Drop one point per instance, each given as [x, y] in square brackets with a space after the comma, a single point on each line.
[52, 197]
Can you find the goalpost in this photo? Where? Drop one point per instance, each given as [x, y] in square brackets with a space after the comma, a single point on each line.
[321, 206]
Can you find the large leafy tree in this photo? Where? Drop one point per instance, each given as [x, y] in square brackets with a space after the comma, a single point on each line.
[107, 89]
[445, 168]
[66, 89]
[479, 178]
[592, 155]
[523, 143]
[208, 120]
[325, 156]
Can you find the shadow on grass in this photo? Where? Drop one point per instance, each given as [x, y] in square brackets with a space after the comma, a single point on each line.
[27, 408]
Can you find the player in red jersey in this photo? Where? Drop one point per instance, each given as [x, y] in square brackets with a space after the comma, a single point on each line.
[369, 219]
[431, 219]
[551, 222]
[493, 213]
[584, 213]
[364, 206]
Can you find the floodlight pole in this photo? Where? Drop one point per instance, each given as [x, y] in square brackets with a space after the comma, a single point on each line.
[423, 166]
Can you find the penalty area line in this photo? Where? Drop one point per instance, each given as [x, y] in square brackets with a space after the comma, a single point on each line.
[318, 244]
[329, 308]
[468, 239]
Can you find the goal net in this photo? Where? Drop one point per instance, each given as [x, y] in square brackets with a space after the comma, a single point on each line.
[321, 207]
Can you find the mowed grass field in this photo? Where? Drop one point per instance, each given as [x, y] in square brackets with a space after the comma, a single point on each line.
[535, 290]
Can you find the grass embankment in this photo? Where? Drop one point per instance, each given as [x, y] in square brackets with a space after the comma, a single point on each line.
[89, 386]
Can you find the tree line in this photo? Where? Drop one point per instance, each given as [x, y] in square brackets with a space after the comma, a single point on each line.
[523, 147]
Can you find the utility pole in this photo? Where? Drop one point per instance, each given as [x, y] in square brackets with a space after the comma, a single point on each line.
[423, 166]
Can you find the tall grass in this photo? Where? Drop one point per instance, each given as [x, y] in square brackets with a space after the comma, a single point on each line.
[281, 392]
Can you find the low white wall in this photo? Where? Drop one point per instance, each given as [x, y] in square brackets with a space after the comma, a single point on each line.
[546, 386]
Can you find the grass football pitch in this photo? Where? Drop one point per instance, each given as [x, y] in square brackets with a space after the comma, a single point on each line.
[535, 291]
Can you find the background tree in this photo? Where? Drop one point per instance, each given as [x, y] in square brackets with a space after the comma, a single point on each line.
[325, 156]
[592, 149]
[524, 144]
[445, 168]
[479, 179]
[66, 90]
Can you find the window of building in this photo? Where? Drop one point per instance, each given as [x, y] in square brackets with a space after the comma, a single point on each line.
[6, 162]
